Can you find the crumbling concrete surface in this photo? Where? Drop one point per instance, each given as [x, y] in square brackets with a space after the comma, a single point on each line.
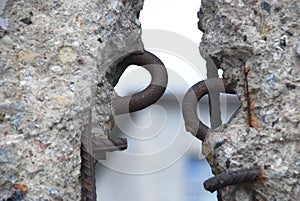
[257, 45]
[53, 59]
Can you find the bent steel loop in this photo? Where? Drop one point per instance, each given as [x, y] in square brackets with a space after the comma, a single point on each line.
[152, 93]
[190, 101]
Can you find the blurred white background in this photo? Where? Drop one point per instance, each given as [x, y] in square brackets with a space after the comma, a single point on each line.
[163, 162]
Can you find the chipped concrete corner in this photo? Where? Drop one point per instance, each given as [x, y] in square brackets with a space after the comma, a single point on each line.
[256, 44]
[53, 59]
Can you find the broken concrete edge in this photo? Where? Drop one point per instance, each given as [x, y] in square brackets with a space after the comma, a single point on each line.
[255, 43]
[52, 71]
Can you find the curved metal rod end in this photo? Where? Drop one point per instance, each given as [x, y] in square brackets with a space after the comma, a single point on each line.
[152, 93]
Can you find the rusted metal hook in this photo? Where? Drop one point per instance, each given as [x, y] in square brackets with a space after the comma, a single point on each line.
[152, 93]
[190, 102]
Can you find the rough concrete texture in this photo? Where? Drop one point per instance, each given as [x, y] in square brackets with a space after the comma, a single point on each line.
[256, 43]
[53, 60]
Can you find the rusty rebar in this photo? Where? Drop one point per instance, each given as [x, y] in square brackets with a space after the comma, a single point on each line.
[148, 96]
[108, 145]
[190, 101]
[88, 189]
[232, 178]
[89, 150]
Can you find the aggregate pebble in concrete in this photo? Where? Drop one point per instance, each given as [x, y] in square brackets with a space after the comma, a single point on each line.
[53, 59]
[2, 6]
[258, 40]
